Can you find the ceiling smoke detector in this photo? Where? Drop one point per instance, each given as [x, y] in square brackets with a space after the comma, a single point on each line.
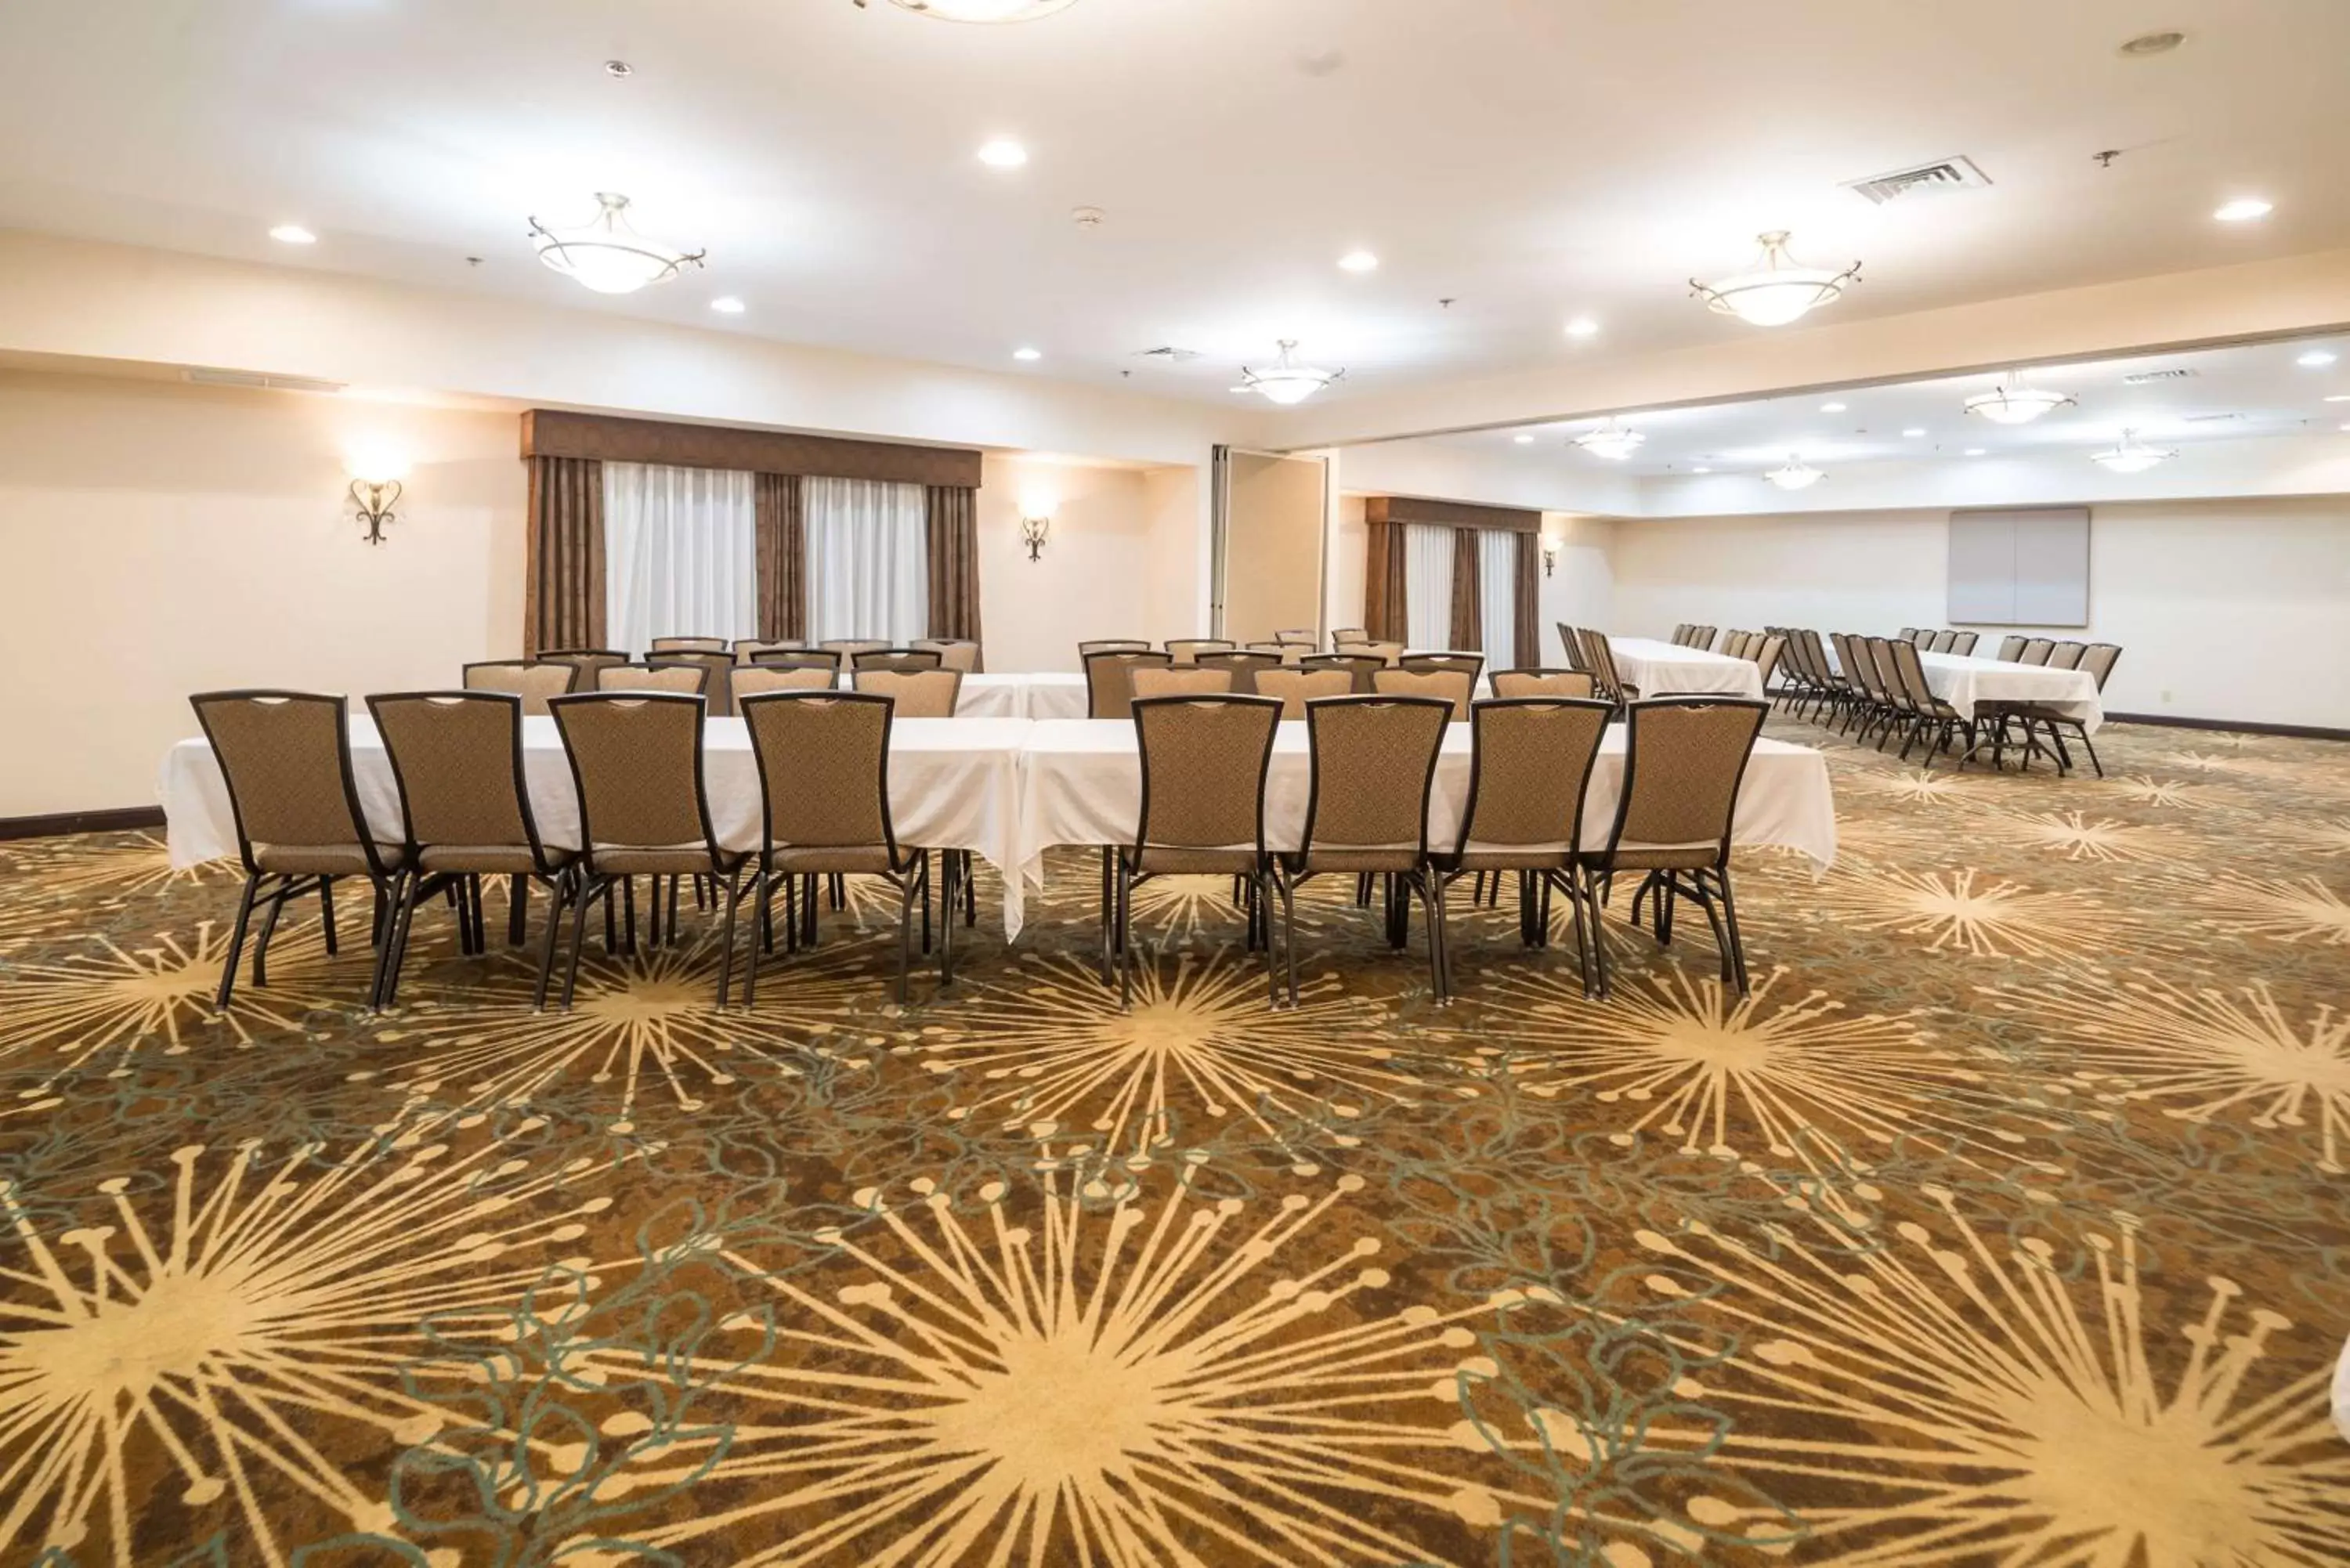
[2149, 377]
[1087, 218]
[1166, 353]
[1948, 177]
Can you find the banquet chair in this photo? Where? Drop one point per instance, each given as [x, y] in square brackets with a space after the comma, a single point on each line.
[845, 649]
[1243, 668]
[1350, 634]
[1181, 681]
[1514, 683]
[2035, 650]
[1454, 686]
[1573, 638]
[1470, 664]
[796, 658]
[1110, 680]
[1373, 766]
[2098, 658]
[286, 757]
[1204, 758]
[917, 693]
[1835, 688]
[761, 679]
[1296, 688]
[1289, 653]
[748, 648]
[903, 660]
[1765, 649]
[1901, 713]
[1529, 773]
[718, 665]
[2067, 655]
[456, 762]
[1703, 638]
[689, 644]
[1187, 650]
[954, 652]
[1681, 634]
[1684, 759]
[1908, 634]
[1298, 637]
[661, 675]
[1113, 645]
[636, 763]
[1360, 668]
[532, 680]
[1935, 722]
[1962, 643]
[1388, 653]
[2009, 648]
[587, 661]
[1601, 656]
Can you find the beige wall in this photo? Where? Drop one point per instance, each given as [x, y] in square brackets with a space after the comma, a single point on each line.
[2224, 610]
[1095, 577]
[158, 539]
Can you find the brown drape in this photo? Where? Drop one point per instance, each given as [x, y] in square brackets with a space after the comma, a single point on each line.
[953, 515]
[563, 594]
[782, 535]
[1467, 628]
[1387, 613]
[1527, 589]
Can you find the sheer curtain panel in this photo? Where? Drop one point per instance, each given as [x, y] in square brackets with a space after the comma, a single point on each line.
[869, 568]
[1497, 595]
[1428, 577]
[682, 554]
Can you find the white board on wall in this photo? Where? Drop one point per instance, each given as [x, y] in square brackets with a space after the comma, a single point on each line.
[2026, 566]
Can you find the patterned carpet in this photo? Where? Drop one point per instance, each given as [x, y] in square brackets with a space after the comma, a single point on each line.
[2005, 1223]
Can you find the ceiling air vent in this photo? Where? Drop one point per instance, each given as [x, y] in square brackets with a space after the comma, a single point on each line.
[1169, 355]
[207, 376]
[2149, 377]
[1950, 175]
[2209, 419]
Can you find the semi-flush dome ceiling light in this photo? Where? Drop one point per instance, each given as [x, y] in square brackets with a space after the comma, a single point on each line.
[1610, 441]
[2132, 455]
[1285, 381]
[609, 256]
[1795, 475]
[984, 10]
[2013, 403]
[1778, 291]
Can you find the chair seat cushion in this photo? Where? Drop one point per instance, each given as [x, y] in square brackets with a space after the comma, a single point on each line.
[1511, 858]
[1183, 860]
[1658, 857]
[662, 860]
[845, 860]
[486, 859]
[1404, 858]
[325, 860]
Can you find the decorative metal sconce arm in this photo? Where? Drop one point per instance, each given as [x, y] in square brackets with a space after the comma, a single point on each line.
[1034, 532]
[1550, 559]
[375, 502]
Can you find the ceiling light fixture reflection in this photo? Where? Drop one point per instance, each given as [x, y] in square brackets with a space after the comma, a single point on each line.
[1795, 475]
[1610, 441]
[2244, 209]
[293, 235]
[607, 254]
[982, 10]
[1778, 291]
[1286, 381]
[2132, 455]
[2013, 403]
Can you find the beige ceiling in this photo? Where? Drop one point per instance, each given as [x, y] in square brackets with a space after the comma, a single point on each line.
[1529, 158]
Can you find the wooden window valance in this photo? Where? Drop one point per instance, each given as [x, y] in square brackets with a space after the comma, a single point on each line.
[1449, 513]
[608, 437]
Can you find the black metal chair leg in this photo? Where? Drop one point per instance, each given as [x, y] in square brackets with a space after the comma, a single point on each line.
[517, 909]
[734, 891]
[394, 956]
[237, 941]
[1737, 942]
[1289, 930]
[268, 929]
[905, 935]
[1126, 935]
[587, 890]
[327, 915]
[558, 895]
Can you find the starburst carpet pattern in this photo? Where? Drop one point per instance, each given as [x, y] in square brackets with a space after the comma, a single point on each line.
[2004, 1224]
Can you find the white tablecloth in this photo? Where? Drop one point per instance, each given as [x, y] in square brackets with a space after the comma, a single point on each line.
[1082, 784]
[1669, 669]
[1962, 682]
[953, 784]
[1042, 696]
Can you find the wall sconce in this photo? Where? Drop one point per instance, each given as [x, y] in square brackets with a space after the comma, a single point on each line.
[1550, 555]
[1036, 524]
[375, 491]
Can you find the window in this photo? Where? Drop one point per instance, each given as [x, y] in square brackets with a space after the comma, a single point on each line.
[681, 553]
[868, 561]
[1427, 584]
[1497, 596]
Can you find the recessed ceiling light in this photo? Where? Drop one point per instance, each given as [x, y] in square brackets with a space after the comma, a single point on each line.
[1004, 153]
[1831, 408]
[1583, 327]
[727, 305]
[2244, 209]
[2316, 359]
[2339, 398]
[2153, 44]
[1913, 431]
[1027, 354]
[1974, 451]
[1523, 439]
[1359, 261]
[1701, 468]
[618, 71]
[293, 235]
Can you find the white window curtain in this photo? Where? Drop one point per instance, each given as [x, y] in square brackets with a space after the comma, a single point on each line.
[681, 553]
[868, 561]
[1497, 596]
[1427, 584]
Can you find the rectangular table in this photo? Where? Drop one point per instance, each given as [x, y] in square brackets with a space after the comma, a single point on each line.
[1082, 784]
[1962, 681]
[1668, 670]
[1047, 694]
[953, 784]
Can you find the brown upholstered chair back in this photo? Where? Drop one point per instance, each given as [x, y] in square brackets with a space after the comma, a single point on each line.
[1296, 688]
[1765, 651]
[2067, 655]
[954, 653]
[1573, 638]
[748, 648]
[1187, 650]
[917, 693]
[1964, 643]
[796, 658]
[689, 644]
[845, 649]
[587, 661]
[1359, 668]
[1470, 664]
[286, 758]
[824, 761]
[1113, 645]
[2100, 660]
[1243, 668]
[2035, 650]
[532, 680]
[1911, 671]
[1682, 764]
[903, 660]
[1348, 634]
[1533, 757]
[1374, 761]
[1542, 683]
[720, 686]
[1387, 652]
[1298, 637]
[1452, 685]
[636, 757]
[761, 679]
[457, 759]
[662, 675]
[1110, 680]
[2009, 647]
[1180, 682]
[1203, 766]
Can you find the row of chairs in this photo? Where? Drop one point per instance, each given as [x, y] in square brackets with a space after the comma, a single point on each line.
[1690, 635]
[1944, 642]
[636, 760]
[1116, 676]
[1205, 759]
[956, 652]
[715, 673]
